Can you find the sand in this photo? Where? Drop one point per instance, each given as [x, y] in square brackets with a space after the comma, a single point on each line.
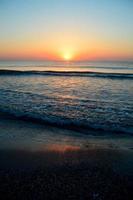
[41, 162]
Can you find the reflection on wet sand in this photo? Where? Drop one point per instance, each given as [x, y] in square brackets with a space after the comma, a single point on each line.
[61, 148]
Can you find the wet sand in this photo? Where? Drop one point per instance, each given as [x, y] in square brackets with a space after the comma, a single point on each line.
[63, 167]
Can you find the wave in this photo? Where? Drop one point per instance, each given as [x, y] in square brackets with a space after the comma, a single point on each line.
[75, 125]
[67, 73]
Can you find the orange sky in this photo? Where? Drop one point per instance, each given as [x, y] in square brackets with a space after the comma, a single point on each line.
[65, 48]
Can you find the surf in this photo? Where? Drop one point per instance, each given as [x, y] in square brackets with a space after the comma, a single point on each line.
[68, 73]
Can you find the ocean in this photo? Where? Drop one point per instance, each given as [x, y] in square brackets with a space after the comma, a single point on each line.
[87, 97]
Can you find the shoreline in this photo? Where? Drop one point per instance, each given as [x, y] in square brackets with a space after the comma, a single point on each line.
[16, 133]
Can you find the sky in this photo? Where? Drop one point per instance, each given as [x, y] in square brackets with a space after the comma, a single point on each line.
[66, 29]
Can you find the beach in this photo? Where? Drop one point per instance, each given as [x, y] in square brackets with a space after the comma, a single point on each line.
[66, 131]
[63, 167]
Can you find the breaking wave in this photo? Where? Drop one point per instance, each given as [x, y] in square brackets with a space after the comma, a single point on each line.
[68, 73]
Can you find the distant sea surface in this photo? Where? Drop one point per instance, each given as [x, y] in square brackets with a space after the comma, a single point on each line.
[84, 96]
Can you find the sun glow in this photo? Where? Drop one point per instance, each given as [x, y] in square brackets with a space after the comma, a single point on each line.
[67, 56]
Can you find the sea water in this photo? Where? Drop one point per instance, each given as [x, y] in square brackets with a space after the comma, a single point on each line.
[83, 96]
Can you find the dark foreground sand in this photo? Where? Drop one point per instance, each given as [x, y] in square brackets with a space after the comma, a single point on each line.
[75, 174]
[62, 171]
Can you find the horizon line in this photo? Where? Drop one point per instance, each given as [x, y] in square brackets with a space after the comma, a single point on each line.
[60, 60]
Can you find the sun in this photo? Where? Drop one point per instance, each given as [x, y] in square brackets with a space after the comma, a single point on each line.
[67, 56]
